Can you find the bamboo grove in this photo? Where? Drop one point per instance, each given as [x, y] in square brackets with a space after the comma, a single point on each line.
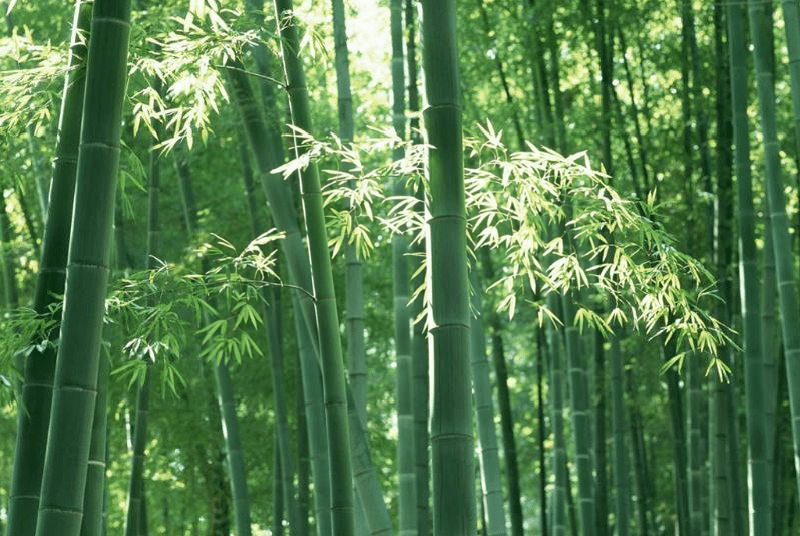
[396, 267]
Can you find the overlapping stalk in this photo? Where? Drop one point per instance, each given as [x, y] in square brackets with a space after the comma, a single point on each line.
[778, 220]
[402, 329]
[333, 376]
[581, 422]
[621, 482]
[419, 350]
[354, 293]
[94, 499]
[759, 487]
[491, 486]
[225, 400]
[556, 395]
[32, 422]
[75, 383]
[136, 484]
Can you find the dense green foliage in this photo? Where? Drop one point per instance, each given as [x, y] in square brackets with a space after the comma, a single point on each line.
[620, 249]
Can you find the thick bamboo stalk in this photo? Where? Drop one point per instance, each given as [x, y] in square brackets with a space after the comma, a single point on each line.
[32, 423]
[448, 318]
[75, 385]
[778, 220]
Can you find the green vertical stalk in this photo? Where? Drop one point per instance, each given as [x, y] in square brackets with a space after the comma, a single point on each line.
[448, 316]
[354, 306]
[233, 448]
[491, 486]
[271, 317]
[333, 377]
[679, 454]
[581, 420]
[277, 490]
[758, 471]
[136, 485]
[506, 415]
[369, 491]
[770, 358]
[719, 460]
[541, 431]
[725, 253]
[419, 349]
[694, 425]
[75, 384]
[402, 329]
[32, 423]
[315, 422]
[556, 394]
[791, 18]
[621, 484]
[601, 485]
[10, 295]
[94, 500]
[778, 220]
[224, 386]
[639, 463]
[303, 461]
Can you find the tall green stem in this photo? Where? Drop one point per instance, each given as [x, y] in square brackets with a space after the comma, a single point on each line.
[487, 436]
[75, 385]
[581, 422]
[32, 422]
[778, 220]
[448, 319]
[333, 376]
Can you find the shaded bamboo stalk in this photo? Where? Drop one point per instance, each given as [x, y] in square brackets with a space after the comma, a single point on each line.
[75, 382]
[32, 423]
[270, 313]
[778, 219]
[491, 487]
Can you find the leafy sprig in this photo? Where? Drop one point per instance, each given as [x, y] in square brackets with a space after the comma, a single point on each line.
[559, 224]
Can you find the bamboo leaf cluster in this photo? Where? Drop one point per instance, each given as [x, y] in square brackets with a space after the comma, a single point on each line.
[513, 199]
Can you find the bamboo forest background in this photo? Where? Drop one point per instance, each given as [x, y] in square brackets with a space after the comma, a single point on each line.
[385, 267]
